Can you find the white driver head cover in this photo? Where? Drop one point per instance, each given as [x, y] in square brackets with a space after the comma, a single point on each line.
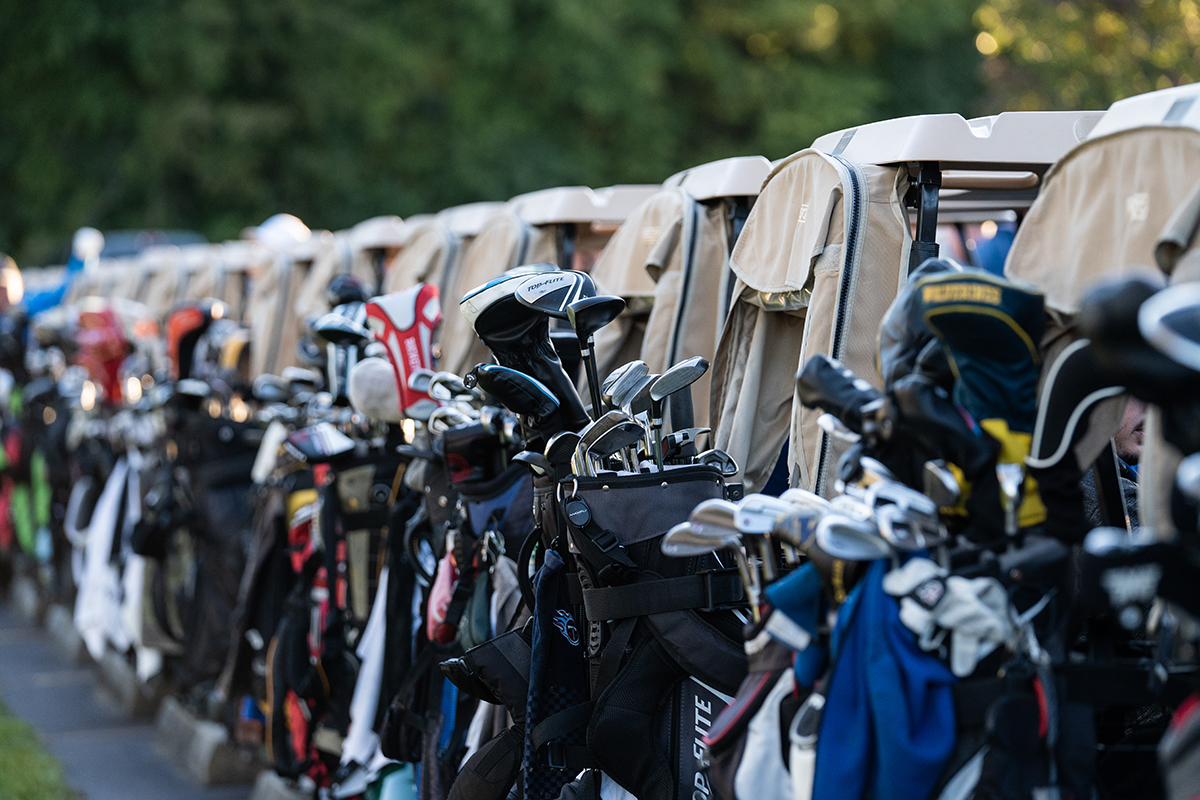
[373, 391]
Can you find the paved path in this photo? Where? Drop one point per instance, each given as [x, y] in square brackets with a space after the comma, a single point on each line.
[104, 754]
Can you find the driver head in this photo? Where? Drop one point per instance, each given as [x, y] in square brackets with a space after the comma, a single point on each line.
[552, 292]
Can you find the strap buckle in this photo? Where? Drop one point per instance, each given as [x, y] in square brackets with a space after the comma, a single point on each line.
[556, 755]
[722, 589]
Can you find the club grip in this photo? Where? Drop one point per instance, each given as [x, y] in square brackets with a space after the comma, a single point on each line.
[831, 387]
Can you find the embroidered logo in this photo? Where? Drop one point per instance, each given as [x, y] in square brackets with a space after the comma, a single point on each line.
[566, 626]
[929, 593]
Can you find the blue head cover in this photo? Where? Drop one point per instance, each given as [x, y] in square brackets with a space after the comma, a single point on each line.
[888, 726]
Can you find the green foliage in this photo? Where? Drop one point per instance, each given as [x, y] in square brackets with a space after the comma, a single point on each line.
[213, 114]
[27, 772]
[1086, 53]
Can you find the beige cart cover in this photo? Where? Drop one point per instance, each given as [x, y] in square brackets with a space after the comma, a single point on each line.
[234, 268]
[689, 266]
[621, 270]
[275, 328]
[796, 270]
[504, 242]
[427, 257]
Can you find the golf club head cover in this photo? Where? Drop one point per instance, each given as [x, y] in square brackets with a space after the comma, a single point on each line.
[991, 330]
[519, 338]
[1108, 316]
[185, 325]
[1074, 385]
[521, 394]
[903, 334]
[825, 384]
[405, 322]
[374, 392]
[496, 672]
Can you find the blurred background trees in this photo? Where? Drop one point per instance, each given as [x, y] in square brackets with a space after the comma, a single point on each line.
[213, 114]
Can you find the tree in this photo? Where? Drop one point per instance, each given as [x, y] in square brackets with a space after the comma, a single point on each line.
[1085, 53]
[214, 114]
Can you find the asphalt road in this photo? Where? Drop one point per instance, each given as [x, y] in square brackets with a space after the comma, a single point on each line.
[104, 754]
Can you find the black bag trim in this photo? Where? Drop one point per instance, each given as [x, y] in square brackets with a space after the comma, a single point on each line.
[706, 591]
[557, 726]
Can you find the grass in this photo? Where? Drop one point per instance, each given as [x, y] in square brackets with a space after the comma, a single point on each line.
[27, 771]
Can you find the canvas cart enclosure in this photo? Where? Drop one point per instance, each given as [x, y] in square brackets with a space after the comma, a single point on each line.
[564, 226]
[681, 239]
[274, 327]
[816, 275]
[430, 246]
[804, 287]
[503, 242]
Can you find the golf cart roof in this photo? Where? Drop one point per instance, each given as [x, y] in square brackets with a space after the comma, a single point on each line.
[1028, 141]
[740, 176]
[466, 220]
[379, 232]
[1175, 107]
[565, 204]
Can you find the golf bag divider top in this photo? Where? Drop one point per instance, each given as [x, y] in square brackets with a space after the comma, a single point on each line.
[658, 631]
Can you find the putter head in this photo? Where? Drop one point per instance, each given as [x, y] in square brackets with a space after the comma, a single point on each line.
[683, 541]
[553, 292]
[674, 442]
[680, 376]
[535, 461]
[851, 539]
[590, 314]
[340, 330]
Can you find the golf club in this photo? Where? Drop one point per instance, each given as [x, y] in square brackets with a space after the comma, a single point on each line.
[588, 315]
[677, 378]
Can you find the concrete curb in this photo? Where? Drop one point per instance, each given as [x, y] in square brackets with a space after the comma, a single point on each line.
[269, 786]
[139, 701]
[27, 597]
[201, 749]
[60, 624]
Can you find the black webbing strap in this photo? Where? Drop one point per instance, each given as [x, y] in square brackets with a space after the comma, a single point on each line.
[572, 757]
[464, 587]
[704, 591]
[599, 547]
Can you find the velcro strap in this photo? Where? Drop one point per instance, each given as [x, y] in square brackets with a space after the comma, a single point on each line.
[704, 591]
[560, 725]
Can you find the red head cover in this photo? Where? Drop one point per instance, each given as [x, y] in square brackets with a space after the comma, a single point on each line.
[405, 322]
